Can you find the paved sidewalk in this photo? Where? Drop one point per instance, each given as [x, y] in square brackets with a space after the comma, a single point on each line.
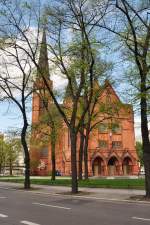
[101, 193]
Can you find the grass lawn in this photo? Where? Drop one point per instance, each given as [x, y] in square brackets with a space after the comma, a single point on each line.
[92, 183]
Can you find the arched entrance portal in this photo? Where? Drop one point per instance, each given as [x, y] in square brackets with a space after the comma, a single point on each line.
[127, 166]
[113, 166]
[98, 167]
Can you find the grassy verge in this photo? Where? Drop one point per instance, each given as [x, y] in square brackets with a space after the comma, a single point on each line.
[93, 183]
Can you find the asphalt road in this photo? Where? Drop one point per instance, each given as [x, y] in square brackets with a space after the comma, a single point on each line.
[20, 207]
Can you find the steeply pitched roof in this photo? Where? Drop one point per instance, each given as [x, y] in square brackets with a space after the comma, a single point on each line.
[107, 86]
[43, 58]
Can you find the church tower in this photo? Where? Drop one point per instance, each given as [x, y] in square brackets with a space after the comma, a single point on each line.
[41, 97]
[41, 101]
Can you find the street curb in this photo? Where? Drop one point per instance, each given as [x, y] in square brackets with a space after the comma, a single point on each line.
[116, 200]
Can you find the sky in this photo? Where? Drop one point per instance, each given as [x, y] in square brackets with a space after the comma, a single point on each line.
[10, 116]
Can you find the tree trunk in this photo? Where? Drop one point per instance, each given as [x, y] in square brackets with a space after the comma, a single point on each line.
[86, 172]
[10, 168]
[27, 172]
[0, 168]
[86, 176]
[27, 156]
[73, 138]
[81, 154]
[145, 137]
[53, 155]
[146, 159]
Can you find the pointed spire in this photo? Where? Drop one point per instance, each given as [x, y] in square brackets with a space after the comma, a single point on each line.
[43, 57]
[107, 83]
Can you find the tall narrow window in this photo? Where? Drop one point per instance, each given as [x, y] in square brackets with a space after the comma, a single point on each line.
[116, 128]
[43, 104]
[116, 144]
[103, 144]
[103, 128]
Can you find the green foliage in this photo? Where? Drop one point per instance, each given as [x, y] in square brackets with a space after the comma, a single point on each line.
[9, 150]
[136, 59]
[13, 149]
[3, 154]
[139, 150]
[49, 125]
[34, 164]
[26, 5]
[91, 183]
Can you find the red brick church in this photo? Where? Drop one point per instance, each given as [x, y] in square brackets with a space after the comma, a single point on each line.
[111, 150]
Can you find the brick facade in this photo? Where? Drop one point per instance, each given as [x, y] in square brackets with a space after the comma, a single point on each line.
[111, 149]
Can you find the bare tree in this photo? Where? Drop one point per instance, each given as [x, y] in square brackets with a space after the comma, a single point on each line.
[71, 44]
[17, 40]
[16, 88]
[138, 18]
[131, 23]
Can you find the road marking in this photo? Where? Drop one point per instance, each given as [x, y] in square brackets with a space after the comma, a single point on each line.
[139, 218]
[2, 197]
[53, 206]
[3, 215]
[28, 223]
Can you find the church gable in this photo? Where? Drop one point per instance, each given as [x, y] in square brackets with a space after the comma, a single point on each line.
[108, 94]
